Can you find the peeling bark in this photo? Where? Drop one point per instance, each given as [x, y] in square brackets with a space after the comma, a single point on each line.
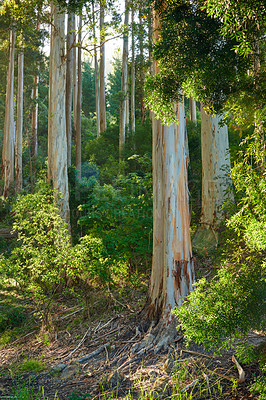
[9, 139]
[172, 268]
[216, 167]
[57, 142]
[172, 264]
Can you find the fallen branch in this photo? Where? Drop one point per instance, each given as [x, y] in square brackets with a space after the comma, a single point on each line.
[78, 346]
[93, 354]
[196, 353]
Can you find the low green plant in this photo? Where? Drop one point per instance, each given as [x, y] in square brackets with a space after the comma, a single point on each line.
[29, 393]
[31, 365]
[259, 386]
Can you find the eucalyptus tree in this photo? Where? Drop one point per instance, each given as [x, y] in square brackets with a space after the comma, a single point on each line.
[124, 81]
[57, 140]
[133, 74]
[102, 69]
[69, 83]
[172, 273]
[19, 122]
[9, 132]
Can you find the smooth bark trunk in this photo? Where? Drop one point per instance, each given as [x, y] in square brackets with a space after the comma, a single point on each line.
[96, 77]
[79, 101]
[9, 139]
[34, 115]
[124, 77]
[142, 75]
[19, 124]
[133, 120]
[102, 71]
[57, 142]
[193, 110]
[69, 84]
[216, 166]
[74, 81]
[34, 118]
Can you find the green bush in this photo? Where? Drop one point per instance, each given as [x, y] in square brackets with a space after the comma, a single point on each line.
[11, 317]
[227, 307]
[121, 215]
[38, 263]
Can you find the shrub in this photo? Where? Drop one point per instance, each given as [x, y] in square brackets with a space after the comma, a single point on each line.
[38, 263]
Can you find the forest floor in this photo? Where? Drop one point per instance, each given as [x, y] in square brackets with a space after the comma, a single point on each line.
[100, 357]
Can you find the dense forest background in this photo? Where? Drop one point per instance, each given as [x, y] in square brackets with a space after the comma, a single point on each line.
[148, 173]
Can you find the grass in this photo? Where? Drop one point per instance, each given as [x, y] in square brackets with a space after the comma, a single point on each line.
[28, 393]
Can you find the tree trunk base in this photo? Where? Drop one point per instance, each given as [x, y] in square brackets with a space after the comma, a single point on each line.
[158, 337]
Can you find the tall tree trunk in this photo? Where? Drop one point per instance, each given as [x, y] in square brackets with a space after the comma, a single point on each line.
[133, 121]
[74, 81]
[8, 142]
[216, 180]
[34, 115]
[96, 76]
[172, 264]
[34, 118]
[79, 100]
[142, 75]
[69, 84]
[216, 166]
[193, 110]
[102, 70]
[19, 125]
[57, 142]
[172, 267]
[124, 74]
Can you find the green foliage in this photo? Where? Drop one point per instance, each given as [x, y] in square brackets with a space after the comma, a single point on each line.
[31, 365]
[121, 215]
[114, 88]
[11, 316]
[88, 90]
[38, 263]
[220, 311]
[28, 393]
[259, 386]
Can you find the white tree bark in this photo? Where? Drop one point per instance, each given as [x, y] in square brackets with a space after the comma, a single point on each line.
[97, 100]
[75, 81]
[216, 167]
[79, 101]
[69, 84]
[19, 124]
[9, 140]
[34, 117]
[193, 110]
[133, 112]
[102, 71]
[57, 142]
[124, 76]
[172, 266]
